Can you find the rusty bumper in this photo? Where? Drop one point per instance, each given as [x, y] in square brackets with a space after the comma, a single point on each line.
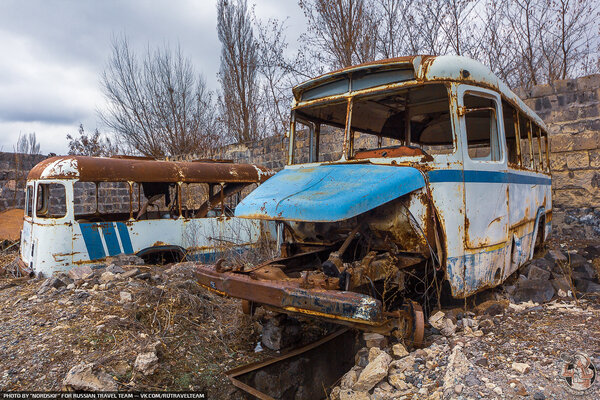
[349, 307]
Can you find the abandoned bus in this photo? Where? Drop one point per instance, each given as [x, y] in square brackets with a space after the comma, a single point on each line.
[441, 185]
[83, 209]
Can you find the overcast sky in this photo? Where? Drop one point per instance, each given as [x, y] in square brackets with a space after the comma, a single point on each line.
[54, 51]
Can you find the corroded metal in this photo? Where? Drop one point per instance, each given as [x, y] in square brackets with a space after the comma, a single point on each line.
[103, 169]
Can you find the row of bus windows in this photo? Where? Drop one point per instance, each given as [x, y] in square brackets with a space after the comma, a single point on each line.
[419, 117]
[144, 201]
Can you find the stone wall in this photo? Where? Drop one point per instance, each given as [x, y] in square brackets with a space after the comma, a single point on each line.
[13, 175]
[571, 110]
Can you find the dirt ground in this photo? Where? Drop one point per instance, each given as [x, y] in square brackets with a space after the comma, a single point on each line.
[197, 336]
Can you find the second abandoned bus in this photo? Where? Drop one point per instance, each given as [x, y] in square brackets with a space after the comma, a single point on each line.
[83, 209]
[442, 181]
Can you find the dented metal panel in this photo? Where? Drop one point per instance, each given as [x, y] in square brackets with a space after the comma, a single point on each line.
[311, 193]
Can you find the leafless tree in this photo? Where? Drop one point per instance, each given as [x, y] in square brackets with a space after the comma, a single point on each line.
[340, 32]
[239, 97]
[94, 144]
[157, 105]
[27, 144]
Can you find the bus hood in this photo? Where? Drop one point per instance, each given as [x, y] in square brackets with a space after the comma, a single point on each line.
[328, 193]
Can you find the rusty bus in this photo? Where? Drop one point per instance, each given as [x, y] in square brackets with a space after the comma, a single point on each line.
[82, 209]
[443, 184]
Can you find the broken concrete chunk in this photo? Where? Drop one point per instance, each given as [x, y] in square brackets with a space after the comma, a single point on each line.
[373, 373]
[350, 378]
[374, 352]
[561, 283]
[521, 368]
[130, 273]
[375, 340]
[556, 256]
[107, 277]
[436, 320]
[125, 297]
[81, 272]
[115, 269]
[89, 378]
[399, 350]
[146, 363]
[52, 282]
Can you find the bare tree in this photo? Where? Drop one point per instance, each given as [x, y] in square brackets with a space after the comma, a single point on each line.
[157, 105]
[340, 32]
[27, 144]
[239, 98]
[94, 144]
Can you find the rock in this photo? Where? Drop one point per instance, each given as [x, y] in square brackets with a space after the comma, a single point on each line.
[556, 256]
[436, 320]
[457, 368]
[374, 352]
[586, 286]
[486, 325]
[125, 297]
[533, 290]
[71, 286]
[373, 373]
[398, 381]
[498, 390]
[399, 350]
[52, 282]
[107, 277]
[521, 368]
[130, 273]
[143, 275]
[81, 272]
[115, 269]
[361, 358]
[561, 283]
[576, 260]
[518, 387]
[64, 277]
[375, 340]
[125, 259]
[280, 332]
[350, 378]
[87, 377]
[401, 365]
[537, 273]
[348, 394]
[448, 328]
[146, 363]
[335, 393]
[482, 362]
[585, 271]
[491, 307]
[458, 389]
[539, 396]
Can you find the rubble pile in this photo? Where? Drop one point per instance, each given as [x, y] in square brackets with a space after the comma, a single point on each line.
[121, 325]
[512, 346]
[506, 351]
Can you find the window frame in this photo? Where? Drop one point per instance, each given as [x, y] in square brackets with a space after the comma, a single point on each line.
[465, 90]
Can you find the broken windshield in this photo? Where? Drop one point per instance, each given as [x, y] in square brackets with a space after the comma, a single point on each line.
[409, 122]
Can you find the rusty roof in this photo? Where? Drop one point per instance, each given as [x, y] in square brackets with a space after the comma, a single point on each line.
[430, 69]
[103, 169]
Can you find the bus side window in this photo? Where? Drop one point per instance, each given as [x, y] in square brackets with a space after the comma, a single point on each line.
[509, 114]
[51, 200]
[482, 128]
[535, 145]
[29, 200]
[525, 125]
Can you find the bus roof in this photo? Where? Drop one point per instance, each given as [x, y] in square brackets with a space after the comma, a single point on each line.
[134, 169]
[428, 69]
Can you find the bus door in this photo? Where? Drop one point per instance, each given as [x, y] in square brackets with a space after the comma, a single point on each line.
[485, 169]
